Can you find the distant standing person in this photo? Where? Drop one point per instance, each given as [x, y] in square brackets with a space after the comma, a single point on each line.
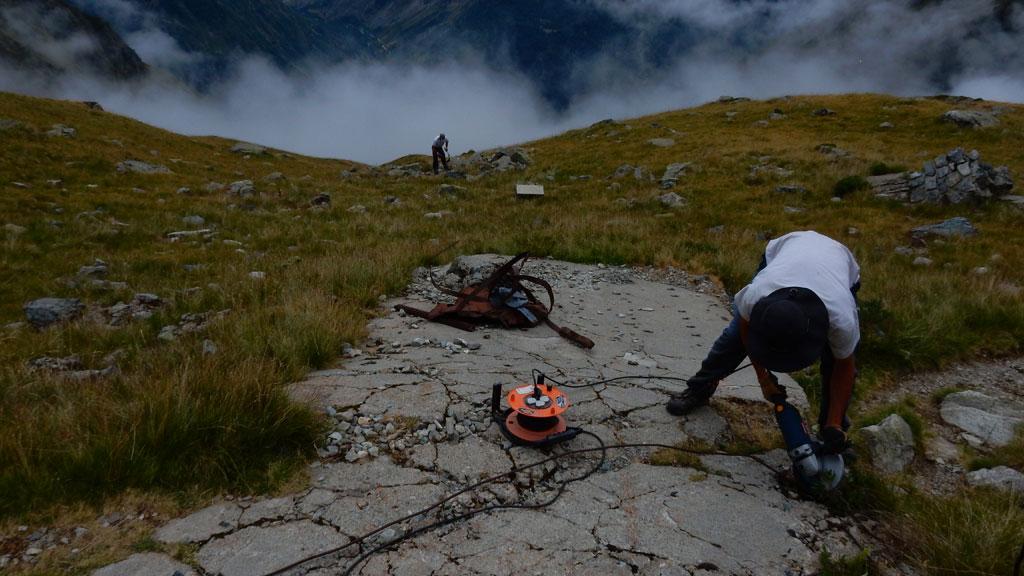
[440, 151]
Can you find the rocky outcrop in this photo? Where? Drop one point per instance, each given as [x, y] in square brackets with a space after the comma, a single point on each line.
[140, 167]
[248, 148]
[1001, 477]
[971, 118]
[988, 420]
[957, 227]
[956, 177]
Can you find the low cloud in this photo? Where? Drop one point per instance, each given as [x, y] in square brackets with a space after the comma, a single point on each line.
[758, 48]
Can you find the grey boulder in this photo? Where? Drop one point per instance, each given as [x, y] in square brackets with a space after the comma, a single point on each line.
[991, 419]
[1001, 477]
[140, 167]
[45, 312]
[242, 189]
[954, 227]
[970, 118]
[890, 444]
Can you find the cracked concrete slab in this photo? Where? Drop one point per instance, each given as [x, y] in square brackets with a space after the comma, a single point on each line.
[146, 564]
[261, 550]
[201, 526]
[410, 423]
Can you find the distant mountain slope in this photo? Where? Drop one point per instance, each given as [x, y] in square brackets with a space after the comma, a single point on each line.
[545, 40]
[52, 36]
[268, 27]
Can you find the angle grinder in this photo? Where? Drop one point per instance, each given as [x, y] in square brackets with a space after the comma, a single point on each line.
[813, 468]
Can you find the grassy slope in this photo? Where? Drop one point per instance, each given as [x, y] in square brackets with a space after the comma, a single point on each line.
[176, 420]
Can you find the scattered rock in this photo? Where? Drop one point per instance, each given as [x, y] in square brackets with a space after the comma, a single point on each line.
[357, 209]
[248, 148]
[169, 333]
[971, 118]
[210, 187]
[322, 200]
[45, 312]
[671, 200]
[61, 131]
[824, 112]
[1001, 477]
[242, 189]
[791, 189]
[451, 190]
[661, 142]
[732, 99]
[14, 229]
[8, 124]
[890, 444]
[922, 261]
[181, 234]
[992, 420]
[405, 170]
[209, 347]
[769, 170]
[140, 167]
[886, 126]
[98, 269]
[51, 364]
[436, 215]
[672, 174]
[257, 275]
[193, 220]
[954, 227]
[273, 177]
[831, 150]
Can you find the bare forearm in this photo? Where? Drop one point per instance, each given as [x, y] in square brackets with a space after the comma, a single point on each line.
[841, 390]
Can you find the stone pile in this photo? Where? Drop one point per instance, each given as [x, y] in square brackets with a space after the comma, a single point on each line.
[192, 323]
[956, 177]
[501, 160]
[141, 307]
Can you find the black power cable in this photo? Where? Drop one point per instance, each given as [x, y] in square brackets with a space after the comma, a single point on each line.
[603, 449]
[620, 378]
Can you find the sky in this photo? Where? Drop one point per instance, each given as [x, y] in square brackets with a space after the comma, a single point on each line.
[377, 112]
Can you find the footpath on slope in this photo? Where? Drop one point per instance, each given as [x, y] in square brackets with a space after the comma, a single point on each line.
[412, 425]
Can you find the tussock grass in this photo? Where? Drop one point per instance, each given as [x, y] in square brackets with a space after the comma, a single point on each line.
[175, 420]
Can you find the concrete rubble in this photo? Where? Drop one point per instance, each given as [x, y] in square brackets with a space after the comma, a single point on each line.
[410, 423]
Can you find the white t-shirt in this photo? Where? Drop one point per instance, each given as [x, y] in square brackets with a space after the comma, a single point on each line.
[440, 142]
[819, 263]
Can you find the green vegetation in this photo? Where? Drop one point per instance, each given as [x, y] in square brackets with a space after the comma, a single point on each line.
[977, 531]
[848, 185]
[176, 421]
[881, 168]
[858, 565]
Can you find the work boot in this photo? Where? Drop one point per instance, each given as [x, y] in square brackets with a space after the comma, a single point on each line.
[686, 402]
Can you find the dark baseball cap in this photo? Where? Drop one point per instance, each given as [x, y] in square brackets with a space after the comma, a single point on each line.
[788, 330]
